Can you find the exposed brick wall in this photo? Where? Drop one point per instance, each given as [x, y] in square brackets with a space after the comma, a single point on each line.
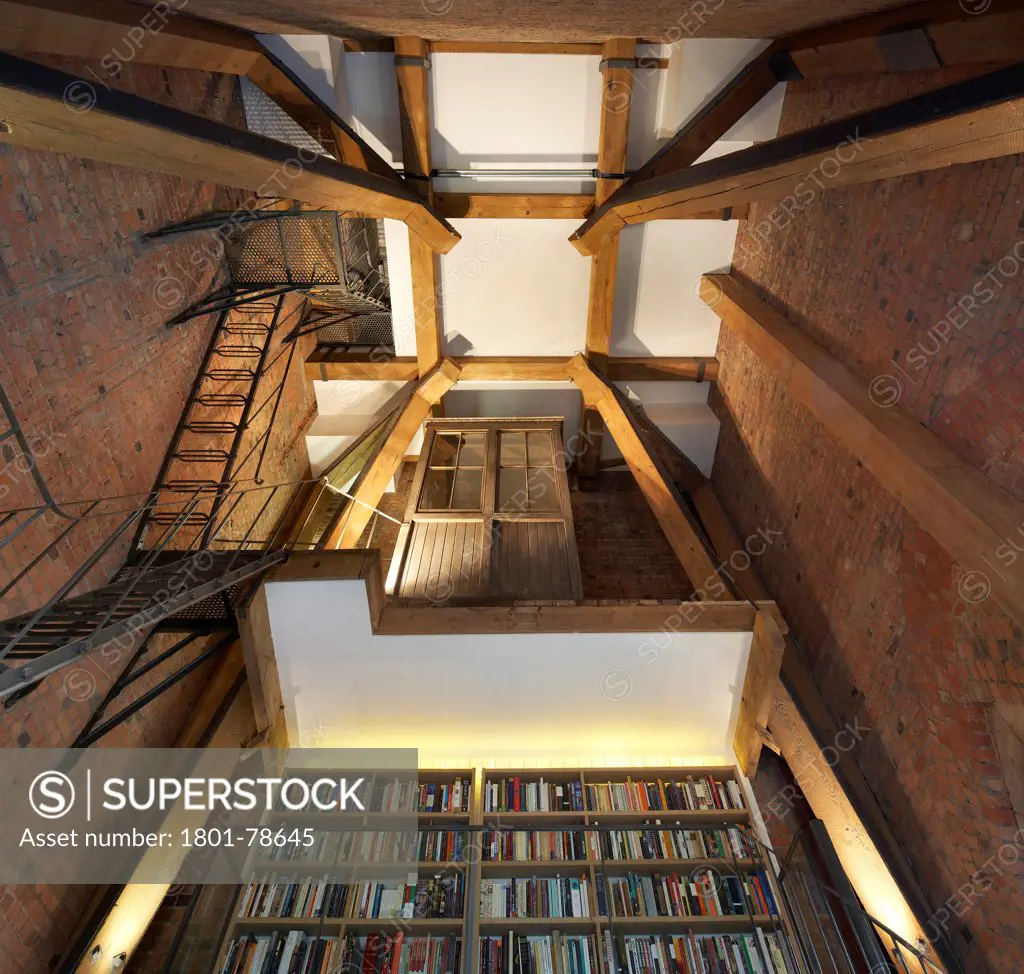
[623, 552]
[98, 383]
[874, 601]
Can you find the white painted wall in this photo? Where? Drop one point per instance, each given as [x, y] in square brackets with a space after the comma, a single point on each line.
[514, 287]
[540, 699]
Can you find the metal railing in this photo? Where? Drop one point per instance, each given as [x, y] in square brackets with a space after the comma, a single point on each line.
[835, 933]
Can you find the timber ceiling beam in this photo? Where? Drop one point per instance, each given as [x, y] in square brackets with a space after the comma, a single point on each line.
[374, 479]
[659, 492]
[412, 69]
[967, 515]
[326, 363]
[929, 34]
[980, 118]
[117, 32]
[618, 60]
[397, 619]
[48, 109]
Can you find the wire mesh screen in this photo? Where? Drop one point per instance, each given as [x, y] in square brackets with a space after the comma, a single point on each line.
[286, 250]
[355, 329]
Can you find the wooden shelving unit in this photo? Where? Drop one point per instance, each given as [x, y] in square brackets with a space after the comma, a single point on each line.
[471, 927]
[286, 870]
[590, 820]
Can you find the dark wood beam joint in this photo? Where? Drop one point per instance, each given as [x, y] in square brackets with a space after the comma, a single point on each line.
[409, 61]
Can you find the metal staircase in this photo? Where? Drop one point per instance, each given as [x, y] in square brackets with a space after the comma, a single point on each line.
[35, 644]
[203, 458]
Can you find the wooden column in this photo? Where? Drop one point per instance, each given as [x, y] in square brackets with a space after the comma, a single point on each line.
[767, 647]
[616, 97]
[966, 514]
[412, 67]
[371, 484]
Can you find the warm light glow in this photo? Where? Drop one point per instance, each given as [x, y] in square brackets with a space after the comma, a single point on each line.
[124, 926]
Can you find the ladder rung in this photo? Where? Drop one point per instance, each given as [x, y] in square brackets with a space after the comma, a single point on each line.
[239, 351]
[192, 486]
[211, 426]
[246, 330]
[230, 375]
[171, 517]
[202, 456]
[221, 399]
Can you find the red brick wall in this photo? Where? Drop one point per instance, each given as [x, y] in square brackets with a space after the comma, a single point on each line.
[884, 617]
[98, 383]
[623, 552]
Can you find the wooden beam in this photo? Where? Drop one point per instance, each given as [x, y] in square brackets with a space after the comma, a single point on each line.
[327, 363]
[412, 58]
[493, 206]
[348, 530]
[658, 492]
[616, 98]
[398, 619]
[648, 369]
[966, 514]
[750, 84]
[762, 676]
[526, 369]
[512, 47]
[116, 32]
[980, 118]
[43, 109]
[956, 33]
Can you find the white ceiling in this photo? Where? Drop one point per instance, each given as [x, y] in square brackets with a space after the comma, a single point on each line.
[512, 700]
[517, 287]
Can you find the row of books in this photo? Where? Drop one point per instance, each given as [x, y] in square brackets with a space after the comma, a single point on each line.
[397, 953]
[745, 953]
[702, 893]
[532, 897]
[516, 795]
[536, 846]
[554, 953]
[407, 796]
[575, 845]
[282, 952]
[351, 848]
[307, 898]
[419, 898]
[669, 843]
[689, 794]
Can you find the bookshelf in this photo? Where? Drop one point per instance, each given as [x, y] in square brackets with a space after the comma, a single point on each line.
[402, 840]
[593, 890]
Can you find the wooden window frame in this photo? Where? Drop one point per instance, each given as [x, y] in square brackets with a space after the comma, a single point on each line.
[488, 514]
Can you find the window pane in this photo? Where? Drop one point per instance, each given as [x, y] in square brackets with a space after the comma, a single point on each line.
[513, 449]
[543, 492]
[437, 489]
[446, 446]
[474, 447]
[466, 496]
[538, 444]
[512, 490]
